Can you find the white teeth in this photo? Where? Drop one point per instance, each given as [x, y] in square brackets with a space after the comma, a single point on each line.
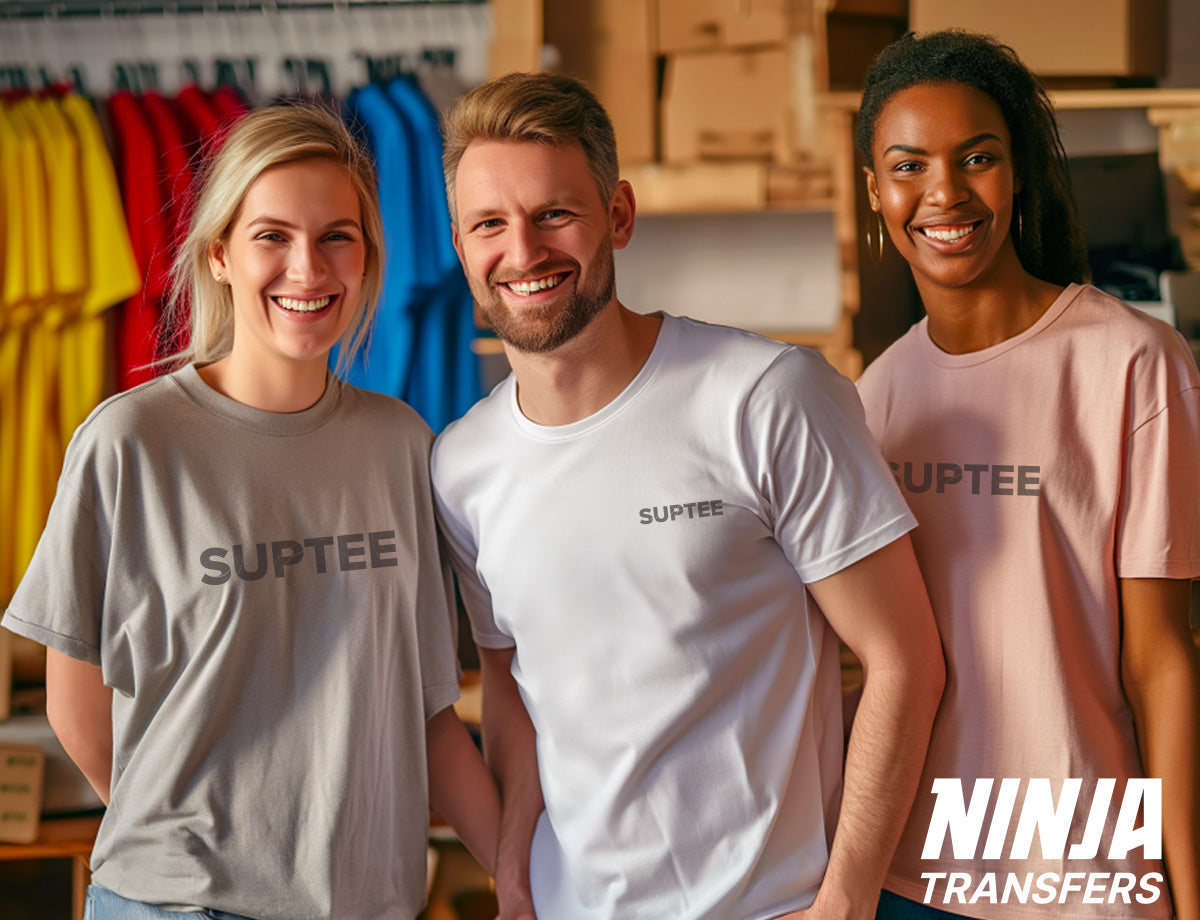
[949, 236]
[303, 306]
[525, 288]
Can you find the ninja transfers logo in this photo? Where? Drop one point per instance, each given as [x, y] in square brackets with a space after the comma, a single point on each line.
[1102, 839]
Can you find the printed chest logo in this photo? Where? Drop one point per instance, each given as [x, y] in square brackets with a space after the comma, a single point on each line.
[685, 511]
[346, 552]
[979, 478]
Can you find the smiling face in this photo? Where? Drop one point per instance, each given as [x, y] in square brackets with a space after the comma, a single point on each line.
[943, 181]
[294, 259]
[536, 240]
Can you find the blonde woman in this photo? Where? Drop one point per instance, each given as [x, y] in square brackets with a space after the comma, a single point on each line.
[249, 640]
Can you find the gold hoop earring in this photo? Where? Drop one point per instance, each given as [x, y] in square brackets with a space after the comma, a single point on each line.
[874, 237]
[1020, 229]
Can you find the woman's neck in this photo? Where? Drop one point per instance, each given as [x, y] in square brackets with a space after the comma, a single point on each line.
[292, 387]
[983, 314]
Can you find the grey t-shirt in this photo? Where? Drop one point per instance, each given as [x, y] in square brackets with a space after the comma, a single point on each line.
[264, 594]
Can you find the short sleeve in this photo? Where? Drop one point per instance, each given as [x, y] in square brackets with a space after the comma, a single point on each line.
[1158, 533]
[826, 488]
[60, 599]
[476, 597]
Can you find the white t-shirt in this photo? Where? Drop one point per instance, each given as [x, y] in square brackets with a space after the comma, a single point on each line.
[648, 563]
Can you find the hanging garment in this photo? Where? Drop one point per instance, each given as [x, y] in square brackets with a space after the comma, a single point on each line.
[112, 270]
[420, 348]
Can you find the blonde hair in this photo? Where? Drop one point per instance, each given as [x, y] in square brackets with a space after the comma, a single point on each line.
[262, 139]
[542, 107]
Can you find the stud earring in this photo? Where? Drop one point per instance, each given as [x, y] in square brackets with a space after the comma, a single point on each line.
[874, 237]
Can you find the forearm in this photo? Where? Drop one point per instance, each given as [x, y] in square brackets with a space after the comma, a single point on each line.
[1161, 681]
[880, 609]
[461, 789]
[888, 741]
[510, 749]
[1169, 753]
[79, 709]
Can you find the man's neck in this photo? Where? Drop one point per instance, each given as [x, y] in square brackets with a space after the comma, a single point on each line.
[583, 376]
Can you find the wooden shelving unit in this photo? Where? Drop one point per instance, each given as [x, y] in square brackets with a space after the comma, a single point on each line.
[876, 301]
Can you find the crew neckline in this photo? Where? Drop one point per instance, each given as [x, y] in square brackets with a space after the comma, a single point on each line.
[667, 333]
[262, 421]
[973, 358]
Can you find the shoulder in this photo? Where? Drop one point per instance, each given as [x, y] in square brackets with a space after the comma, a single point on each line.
[894, 359]
[486, 421]
[1127, 339]
[133, 412]
[1088, 306]
[742, 360]
[380, 427]
[356, 400]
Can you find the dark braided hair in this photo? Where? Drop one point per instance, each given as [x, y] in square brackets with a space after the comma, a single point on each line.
[1050, 243]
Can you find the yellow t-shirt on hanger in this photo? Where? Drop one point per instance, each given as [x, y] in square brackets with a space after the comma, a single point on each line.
[12, 301]
[37, 416]
[112, 270]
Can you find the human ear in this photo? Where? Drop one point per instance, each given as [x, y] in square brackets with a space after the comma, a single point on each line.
[872, 188]
[456, 239]
[218, 262]
[621, 213]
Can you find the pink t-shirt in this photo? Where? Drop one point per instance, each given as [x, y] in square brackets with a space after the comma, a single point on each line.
[1041, 471]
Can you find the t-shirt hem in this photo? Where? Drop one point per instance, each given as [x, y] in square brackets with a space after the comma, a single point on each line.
[483, 640]
[438, 697]
[1184, 570]
[859, 549]
[68, 645]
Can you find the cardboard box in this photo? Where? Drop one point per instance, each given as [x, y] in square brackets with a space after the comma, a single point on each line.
[610, 46]
[21, 770]
[711, 25]
[1066, 38]
[699, 188]
[516, 36]
[728, 105]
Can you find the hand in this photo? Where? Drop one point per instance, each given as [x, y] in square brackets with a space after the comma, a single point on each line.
[516, 910]
[515, 900]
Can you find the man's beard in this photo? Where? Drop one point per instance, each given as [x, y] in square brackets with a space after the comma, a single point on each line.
[529, 330]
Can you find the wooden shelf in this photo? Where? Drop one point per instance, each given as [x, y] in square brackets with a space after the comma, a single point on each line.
[1071, 99]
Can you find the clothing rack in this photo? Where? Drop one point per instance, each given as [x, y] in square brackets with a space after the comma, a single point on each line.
[56, 9]
[266, 48]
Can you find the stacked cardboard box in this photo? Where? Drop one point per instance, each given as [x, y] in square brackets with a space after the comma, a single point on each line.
[1125, 38]
[713, 101]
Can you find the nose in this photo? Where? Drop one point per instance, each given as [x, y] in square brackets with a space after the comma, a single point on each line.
[526, 245]
[946, 187]
[306, 263]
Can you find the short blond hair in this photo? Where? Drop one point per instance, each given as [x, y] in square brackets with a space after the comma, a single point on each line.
[260, 140]
[544, 108]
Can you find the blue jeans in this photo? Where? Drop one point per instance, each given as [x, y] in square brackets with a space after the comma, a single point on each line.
[103, 904]
[894, 907]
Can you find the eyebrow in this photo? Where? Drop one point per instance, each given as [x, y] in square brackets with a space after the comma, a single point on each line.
[969, 142]
[486, 213]
[280, 222]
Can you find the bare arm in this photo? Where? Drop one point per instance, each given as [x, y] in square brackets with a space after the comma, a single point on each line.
[1162, 683]
[79, 707]
[880, 609]
[509, 745]
[461, 789]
